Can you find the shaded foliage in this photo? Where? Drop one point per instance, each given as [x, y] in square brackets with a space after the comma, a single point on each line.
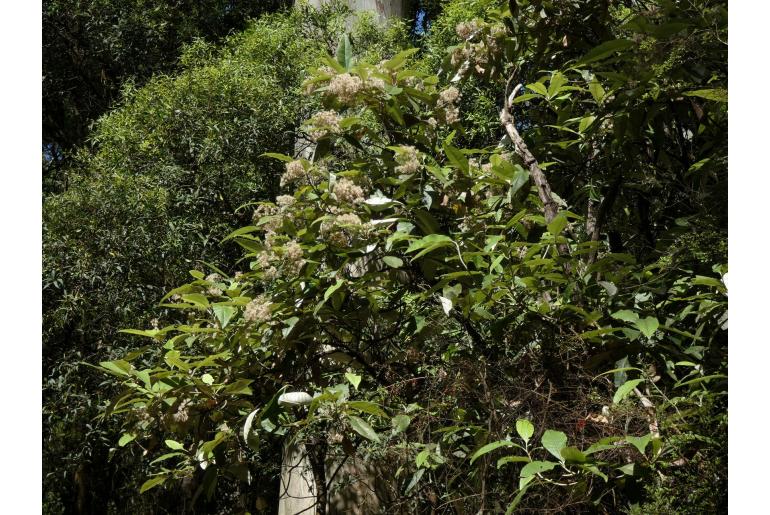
[512, 272]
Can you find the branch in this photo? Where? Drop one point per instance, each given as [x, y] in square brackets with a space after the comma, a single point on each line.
[550, 206]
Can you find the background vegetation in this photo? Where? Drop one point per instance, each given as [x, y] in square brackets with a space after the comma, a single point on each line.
[504, 347]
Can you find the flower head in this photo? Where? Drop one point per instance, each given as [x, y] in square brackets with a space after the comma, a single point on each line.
[408, 159]
[347, 191]
[257, 310]
[345, 87]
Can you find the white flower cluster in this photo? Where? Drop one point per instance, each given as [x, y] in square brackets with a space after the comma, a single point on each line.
[347, 191]
[324, 123]
[482, 46]
[182, 413]
[345, 87]
[447, 101]
[294, 171]
[214, 291]
[274, 219]
[257, 310]
[293, 258]
[466, 29]
[285, 201]
[341, 230]
[408, 160]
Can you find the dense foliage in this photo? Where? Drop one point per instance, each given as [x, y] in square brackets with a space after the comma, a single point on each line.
[90, 48]
[170, 172]
[506, 280]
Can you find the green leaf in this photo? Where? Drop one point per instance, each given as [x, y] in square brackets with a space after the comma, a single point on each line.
[239, 387]
[198, 300]
[119, 367]
[647, 326]
[491, 447]
[280, 157]
[625, 315]
[400, 423]
[331, 289]
[368, 407]
[538, 88]
[525, 429]
[174, 445]
[624, 389]
[573, 454]
[605, 50]
[596, 90]
[456, 157]
[393, 261]
[364, 429]
[557, 81]
[558, 224]
[126, 438]
[516, 500]
[717, 95]
[640, 442]
[554, 442]
[512, 459]
[585, 123]
[400, 58]
[152, 483]
[223, 314]
[530, 470]
[415, 479]
[353, 379]
[207, 379]
[345, 52]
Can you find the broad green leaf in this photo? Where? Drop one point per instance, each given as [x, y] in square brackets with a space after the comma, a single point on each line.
[353, 379]
[398, 60]
[331, 289]
[530, 470]
[640, 442]
[717, 95]
[207, 379]
[512, 459]
[605, 50]
[198, 300]
[368, 407]
[393, 261]
[456, 157]
[626, 315]
[345, 52]
[647, 326]
[126, 438]
[119, 367]
[596, 90]
[174, 445]
[415, 479]
[491, 447]
[573, 454]
[516, 500]
[624, 389]
[585, 123]
[364, 429]
[558, 224]
[239, 387]
[525, 429]
[152, 483]
[223, 313]
[554, 442]
[400, 423]
[538, 88]
[280, 157]
[557, 81]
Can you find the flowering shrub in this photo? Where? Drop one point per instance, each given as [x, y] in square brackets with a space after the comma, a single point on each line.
[468, 305]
